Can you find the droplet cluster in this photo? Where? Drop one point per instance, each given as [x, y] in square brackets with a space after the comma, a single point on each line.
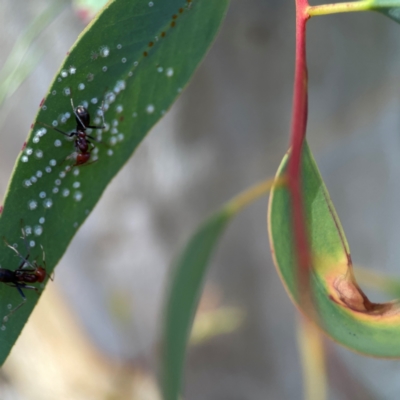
[55, 156]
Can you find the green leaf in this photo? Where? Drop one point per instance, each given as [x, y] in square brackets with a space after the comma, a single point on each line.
[136, 56]
[344, 312]
[390, 8]
[183, 297]
[186, 284]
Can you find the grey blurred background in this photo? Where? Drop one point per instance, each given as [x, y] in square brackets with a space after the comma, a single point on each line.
[228, 130]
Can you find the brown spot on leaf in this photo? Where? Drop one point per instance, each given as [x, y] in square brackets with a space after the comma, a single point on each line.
[350, 295]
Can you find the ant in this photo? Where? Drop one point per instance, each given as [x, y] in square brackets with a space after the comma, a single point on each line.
[83, 144]
[27, 272]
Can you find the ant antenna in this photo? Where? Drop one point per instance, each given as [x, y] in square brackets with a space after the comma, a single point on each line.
[76, 115]
[24, 259]
[50, 276]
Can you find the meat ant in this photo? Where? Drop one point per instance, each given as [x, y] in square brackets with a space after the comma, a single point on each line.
[83, 141]
[27, 272]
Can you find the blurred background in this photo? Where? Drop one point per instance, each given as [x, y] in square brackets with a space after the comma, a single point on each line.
[95, 332]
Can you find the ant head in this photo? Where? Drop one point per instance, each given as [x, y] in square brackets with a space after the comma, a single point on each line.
[82, 117]
[40, 274]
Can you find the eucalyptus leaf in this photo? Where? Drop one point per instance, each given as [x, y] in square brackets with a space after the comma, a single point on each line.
[132, 61]
[344, 311]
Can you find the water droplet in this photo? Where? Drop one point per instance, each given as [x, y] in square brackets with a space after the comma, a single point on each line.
[54, 92]
[55, 190]
[76, 185]
[64, 73]
[160, 69]
[119, 46]
[42, 195]
[134, 115]
[36, 139]
[32, 204]
[114, 131]
[28, 230]
[67, 91]
[109, 98]
[179, 90]
[55, 123]
[94, 100]
[120, 137]
[9, 306]
[38, 153]
[38, 230]
[58, 182]
[41, 220]
[32, 243]
[72, 70]
[76, 224]
[62, 174]
[110, 152]
[47, 203]
[28, 151]
[123, 60]
[130, 73]
[65, 192]
[104, 51]
[81, 86]
[136, 63]
[150, 109]
[120, 85]
[33, 179]
[53, 162]
[48, 169]
[3, 327]
[104, 69]
[90, 77]
[39, 174]
[119, 108]
[27, 183]
[44, 108]
[57, 143]
[151, 4]
[169, 72]
[76, 171]
[78, 196]
[112, 141]
[41, 132]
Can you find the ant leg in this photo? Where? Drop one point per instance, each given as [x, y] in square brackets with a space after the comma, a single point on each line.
[5, 319]
[24, 259]
[102, 117]
[57, 130]
[28, 249]
[51, 277]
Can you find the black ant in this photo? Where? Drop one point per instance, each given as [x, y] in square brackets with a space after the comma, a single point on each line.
[27, 272]
[83, 144]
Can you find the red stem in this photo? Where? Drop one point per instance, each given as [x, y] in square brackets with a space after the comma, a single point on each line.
[299, 124]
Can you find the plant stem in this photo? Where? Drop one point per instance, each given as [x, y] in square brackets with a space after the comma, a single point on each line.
[252, 194]
[327, 9]
[298, 133]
